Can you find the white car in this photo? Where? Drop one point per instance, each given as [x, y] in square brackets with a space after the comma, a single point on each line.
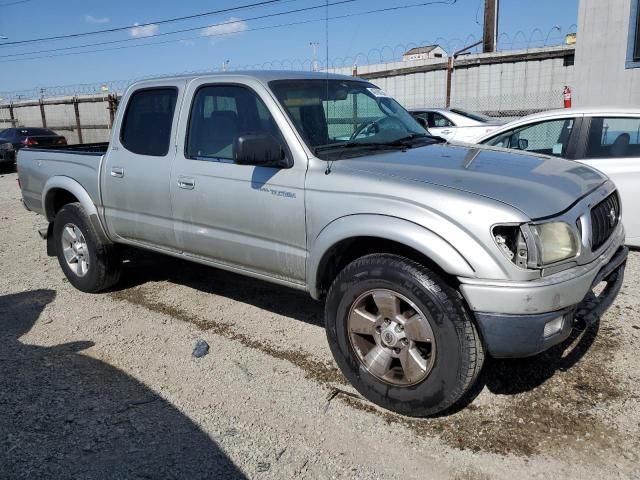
[606, 139]
[456, 124]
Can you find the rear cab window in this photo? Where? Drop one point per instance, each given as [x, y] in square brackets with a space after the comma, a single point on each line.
[146, 127]
[613, 137]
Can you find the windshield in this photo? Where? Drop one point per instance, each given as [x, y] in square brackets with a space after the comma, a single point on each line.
[478, 117]
[34, 132]
[332, 115]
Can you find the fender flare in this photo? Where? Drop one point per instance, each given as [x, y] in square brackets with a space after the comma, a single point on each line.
[73, 187]
[386, 227]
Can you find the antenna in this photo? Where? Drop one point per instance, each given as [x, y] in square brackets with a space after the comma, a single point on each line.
[326, 70]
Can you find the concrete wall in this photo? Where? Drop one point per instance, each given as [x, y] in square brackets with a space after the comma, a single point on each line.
[601, 54]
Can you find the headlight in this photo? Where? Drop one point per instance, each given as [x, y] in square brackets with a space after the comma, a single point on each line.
[556, 241]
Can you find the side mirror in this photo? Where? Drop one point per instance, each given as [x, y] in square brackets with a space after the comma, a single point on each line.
[523, 144]
[261, 150]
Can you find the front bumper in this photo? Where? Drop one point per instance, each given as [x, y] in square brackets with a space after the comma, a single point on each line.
[536, 317]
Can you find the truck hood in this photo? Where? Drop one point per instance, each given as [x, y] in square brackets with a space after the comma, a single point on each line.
[536, 185]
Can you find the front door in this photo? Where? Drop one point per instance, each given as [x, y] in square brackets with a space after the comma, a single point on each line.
[613, 147]
[246, 217]
[137, 169]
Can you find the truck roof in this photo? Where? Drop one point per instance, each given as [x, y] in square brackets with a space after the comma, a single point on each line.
[260, 75]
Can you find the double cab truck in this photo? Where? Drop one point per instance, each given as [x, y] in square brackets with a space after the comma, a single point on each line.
[428, 256]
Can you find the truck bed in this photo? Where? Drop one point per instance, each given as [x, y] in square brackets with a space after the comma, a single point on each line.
[82, 148]
[76, 163]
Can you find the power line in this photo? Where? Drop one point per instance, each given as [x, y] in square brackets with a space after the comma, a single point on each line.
[158, 22]
[17, 2]
[369, 12]
[191, 29]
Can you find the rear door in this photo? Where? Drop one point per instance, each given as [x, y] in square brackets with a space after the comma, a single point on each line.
[247, 217]
[137, 169]
[613, 147]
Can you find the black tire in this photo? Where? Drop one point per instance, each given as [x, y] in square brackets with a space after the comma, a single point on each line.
[105, 264]
[459, 353]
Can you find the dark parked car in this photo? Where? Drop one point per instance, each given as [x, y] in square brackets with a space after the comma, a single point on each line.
[13, 139]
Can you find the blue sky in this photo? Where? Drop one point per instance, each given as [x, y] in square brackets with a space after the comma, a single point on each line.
[242, 40]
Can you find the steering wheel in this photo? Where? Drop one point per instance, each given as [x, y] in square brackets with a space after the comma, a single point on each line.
[363, 126]
[376, 124]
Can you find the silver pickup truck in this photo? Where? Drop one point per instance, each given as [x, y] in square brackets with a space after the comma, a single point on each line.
[428, 256]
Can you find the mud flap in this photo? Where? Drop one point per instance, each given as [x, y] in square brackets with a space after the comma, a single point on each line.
[51, 246]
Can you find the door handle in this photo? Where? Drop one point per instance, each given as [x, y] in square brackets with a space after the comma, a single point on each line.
[117, 172]
[446, 132]
[186, 183]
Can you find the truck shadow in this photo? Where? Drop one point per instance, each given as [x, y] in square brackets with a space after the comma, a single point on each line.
[501, 377]
[67, 415]
[142, 266]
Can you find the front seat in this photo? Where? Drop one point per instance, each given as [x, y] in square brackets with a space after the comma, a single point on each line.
[314, 124]
[621, 145]
[216, 134]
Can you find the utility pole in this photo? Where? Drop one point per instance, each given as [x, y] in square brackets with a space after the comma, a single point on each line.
[314, 64]
[490, 35]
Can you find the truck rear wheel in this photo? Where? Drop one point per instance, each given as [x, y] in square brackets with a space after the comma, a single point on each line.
[89, 264]
[401, 335]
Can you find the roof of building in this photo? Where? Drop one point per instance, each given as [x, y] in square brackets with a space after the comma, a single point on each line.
[424, 49]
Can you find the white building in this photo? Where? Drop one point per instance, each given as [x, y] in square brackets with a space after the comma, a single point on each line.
[427, 52]
[607, 62]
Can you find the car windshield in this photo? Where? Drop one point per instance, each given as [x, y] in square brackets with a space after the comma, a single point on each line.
[34, 132]
[334, 116]
[478, 117]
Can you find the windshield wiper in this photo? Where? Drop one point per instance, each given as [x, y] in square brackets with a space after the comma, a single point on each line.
[348, 145]
[404, 142]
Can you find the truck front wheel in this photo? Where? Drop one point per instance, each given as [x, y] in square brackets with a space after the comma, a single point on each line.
[89, 264]
[401, 335]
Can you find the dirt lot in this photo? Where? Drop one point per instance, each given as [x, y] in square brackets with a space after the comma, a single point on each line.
[104, 386]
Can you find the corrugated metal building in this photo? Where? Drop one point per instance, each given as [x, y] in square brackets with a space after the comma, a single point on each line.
[608, 53]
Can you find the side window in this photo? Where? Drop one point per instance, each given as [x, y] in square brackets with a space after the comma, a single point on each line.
[501, 140]
[146, 128]
[548, 138]
[219, 115]
[614, 138]
[440, 121]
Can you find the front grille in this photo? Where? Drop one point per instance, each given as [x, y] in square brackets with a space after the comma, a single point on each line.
[604, 219]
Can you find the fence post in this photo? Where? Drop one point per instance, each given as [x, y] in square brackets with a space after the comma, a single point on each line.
[12, 116]
[449, 74]
[78, 124]
[113, 105]
[44, 117]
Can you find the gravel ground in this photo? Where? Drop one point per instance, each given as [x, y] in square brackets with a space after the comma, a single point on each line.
[104, 386]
